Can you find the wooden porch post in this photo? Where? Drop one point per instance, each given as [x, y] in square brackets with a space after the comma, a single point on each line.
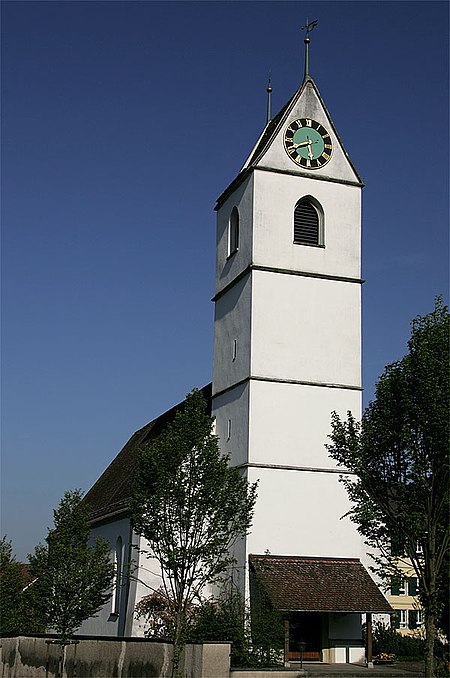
[286, 642]
[369, 639]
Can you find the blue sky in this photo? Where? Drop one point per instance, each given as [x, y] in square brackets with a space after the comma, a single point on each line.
[122, 122]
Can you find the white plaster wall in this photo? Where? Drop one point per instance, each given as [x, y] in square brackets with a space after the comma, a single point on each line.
[106, 623]
[234, 406]
[232, 322]
[147, 576]
[301, 513]
[306, 329]
[275, 198]
[228, 267]
[308, 105]
[290, 423]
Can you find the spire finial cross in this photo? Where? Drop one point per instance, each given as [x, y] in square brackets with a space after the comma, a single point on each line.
[308, 27]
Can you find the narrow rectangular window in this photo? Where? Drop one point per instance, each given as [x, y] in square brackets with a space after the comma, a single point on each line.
[229, 429]
[233, 232]
[234, 349]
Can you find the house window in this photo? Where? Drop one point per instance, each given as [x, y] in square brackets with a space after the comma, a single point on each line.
[413, 586]
[397, 586]
[229, 429]
[233, 232]
[403, 619]
[308, 223]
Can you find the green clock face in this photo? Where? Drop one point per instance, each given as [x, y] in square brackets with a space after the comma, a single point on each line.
[308, 143]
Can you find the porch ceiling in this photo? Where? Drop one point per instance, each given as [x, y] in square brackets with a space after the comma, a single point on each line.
[304, 584]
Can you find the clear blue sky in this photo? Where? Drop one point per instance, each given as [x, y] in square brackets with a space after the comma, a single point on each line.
[122, 123]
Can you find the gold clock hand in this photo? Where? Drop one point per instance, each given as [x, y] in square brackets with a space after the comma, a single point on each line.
[308, 142]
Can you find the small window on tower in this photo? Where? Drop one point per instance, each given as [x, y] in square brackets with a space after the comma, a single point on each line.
[233, 232]
[308, 223]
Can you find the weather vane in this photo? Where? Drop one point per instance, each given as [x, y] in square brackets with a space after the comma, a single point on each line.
[308, 27]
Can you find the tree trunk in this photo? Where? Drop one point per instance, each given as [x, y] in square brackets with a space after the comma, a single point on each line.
[178, 644]
[431, 604]
[430, 631]
[369, 656]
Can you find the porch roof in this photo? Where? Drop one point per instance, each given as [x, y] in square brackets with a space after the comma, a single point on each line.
[305, 584]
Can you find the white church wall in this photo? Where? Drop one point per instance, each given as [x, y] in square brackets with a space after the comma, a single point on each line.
[275, 198]
[290, 423]
[231, 412]
[306, 329]
[232, 335]
[147, 580]
[111, 618]
[229, 266]
[301, 513]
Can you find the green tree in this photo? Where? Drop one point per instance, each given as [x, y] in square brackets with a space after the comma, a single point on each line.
[398, 458]
[74, 577]
[191, 507]
[18, 612]
[12, 583]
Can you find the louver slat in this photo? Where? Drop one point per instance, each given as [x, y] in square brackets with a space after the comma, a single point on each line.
[306, 225]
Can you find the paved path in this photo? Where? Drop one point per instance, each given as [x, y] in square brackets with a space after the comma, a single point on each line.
[399, 670]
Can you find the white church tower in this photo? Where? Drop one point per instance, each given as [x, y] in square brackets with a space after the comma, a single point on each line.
[287, 352]
[287, 338]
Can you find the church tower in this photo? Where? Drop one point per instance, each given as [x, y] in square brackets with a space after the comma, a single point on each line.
[287, 352]
[287, 338]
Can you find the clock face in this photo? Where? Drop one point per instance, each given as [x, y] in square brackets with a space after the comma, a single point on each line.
[308, 143]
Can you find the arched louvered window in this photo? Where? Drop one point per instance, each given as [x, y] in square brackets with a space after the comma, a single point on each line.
[308, 223]
[233, 232]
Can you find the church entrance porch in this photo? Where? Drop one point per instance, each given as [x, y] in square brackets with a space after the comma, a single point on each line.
[322, 600]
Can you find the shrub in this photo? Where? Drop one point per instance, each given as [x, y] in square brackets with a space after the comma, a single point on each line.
[257, 638]
[389, 641]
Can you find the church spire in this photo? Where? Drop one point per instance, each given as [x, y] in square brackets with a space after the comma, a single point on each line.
[308, 27]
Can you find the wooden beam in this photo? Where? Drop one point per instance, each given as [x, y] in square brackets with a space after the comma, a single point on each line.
[286, 642]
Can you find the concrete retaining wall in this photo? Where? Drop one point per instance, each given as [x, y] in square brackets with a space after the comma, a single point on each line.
[40, 657]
